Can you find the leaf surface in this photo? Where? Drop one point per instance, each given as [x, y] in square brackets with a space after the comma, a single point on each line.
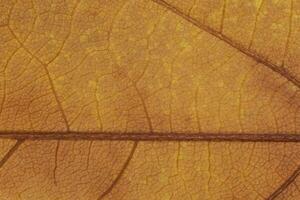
[149, 100]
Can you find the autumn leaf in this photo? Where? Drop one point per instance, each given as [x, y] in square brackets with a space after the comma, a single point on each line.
[149, 99]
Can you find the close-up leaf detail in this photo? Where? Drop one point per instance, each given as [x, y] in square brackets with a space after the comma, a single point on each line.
[149, 99]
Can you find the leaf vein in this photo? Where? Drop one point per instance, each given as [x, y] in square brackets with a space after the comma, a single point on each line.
[151, 136]
[275, 68]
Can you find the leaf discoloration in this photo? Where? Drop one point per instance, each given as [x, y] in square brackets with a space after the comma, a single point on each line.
[150, 99]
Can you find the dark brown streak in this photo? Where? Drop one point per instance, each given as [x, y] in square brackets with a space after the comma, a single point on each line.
[154, 136]
[116, 180]
[11, 151]
[278, 69]
[285, 184]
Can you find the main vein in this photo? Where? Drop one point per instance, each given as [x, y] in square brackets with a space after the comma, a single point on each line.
[151, 136]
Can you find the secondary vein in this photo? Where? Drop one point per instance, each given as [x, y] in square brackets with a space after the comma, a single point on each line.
[278, 69]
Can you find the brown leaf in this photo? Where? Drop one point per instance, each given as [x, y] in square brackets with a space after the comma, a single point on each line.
[149, 99]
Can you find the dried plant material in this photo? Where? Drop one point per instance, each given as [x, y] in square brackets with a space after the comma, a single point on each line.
[149, 99]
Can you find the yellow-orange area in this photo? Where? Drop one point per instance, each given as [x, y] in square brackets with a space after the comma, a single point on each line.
[149, 66]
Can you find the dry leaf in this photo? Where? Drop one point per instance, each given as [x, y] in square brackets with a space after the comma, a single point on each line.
[141, 99]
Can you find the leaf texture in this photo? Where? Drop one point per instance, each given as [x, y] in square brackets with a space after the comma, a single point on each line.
[146, 99]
